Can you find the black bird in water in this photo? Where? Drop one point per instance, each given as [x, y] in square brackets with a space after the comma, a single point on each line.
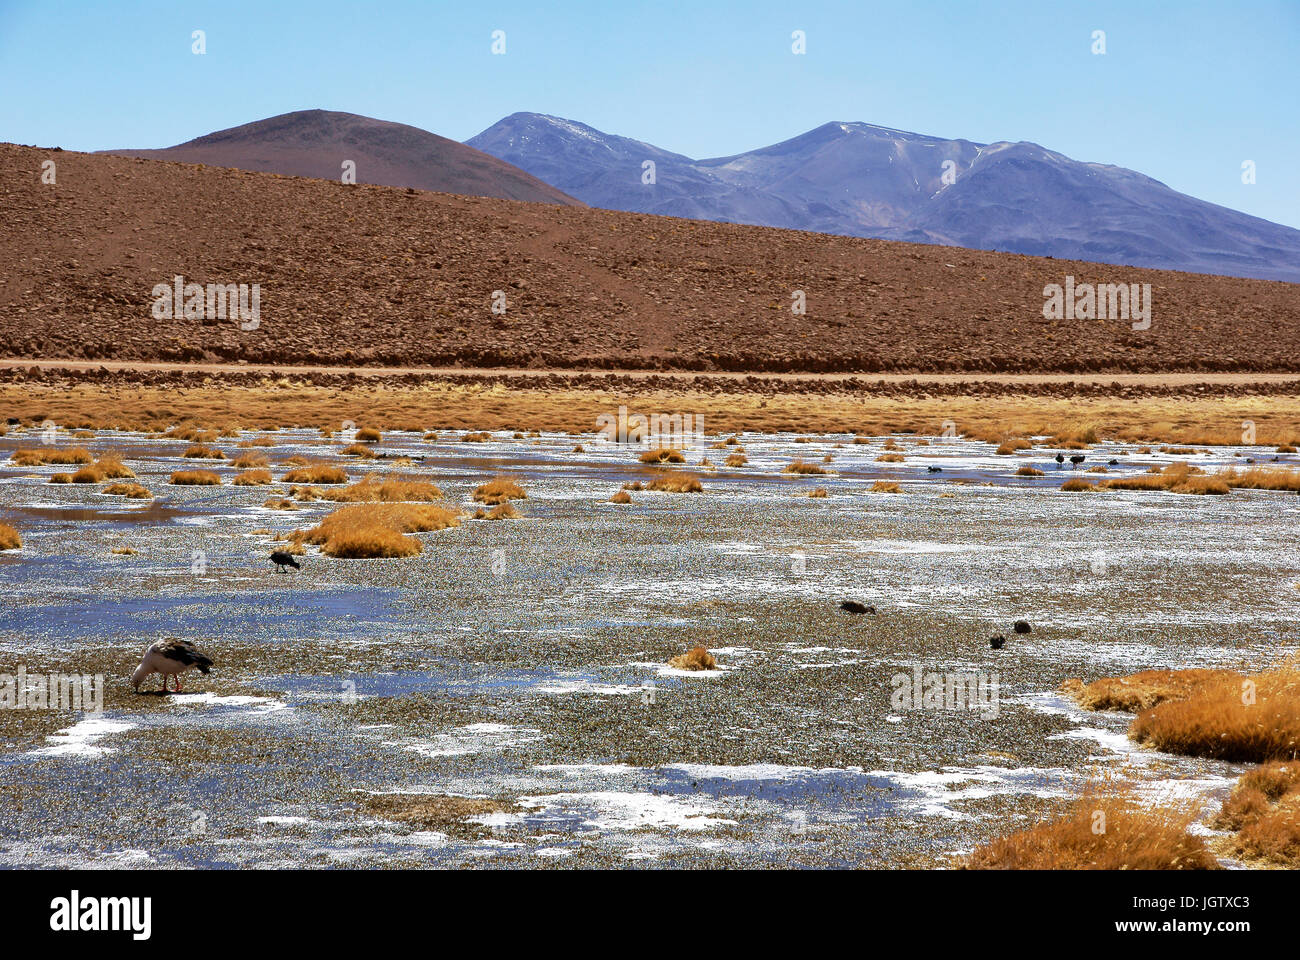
[281, 559]
[997, 642]
[1060, 459]
[852, 606]
[1021, 626]
[1113, 463]
[933, 469]
[1075, 460]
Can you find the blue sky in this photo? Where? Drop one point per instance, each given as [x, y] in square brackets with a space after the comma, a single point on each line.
[1185, 93]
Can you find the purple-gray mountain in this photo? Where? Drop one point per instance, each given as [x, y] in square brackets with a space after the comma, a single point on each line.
[868, 181]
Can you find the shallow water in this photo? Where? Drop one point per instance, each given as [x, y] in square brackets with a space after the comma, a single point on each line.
[524, 661]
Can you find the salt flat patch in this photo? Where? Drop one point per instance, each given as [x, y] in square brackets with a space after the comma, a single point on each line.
[569, 686]
[934, 791]
[283, 821]
[81, 739]
[471, 739]
[209, 699]
[616, 810]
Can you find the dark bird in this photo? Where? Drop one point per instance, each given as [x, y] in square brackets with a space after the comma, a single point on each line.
[1075, 460]
[1021, 626]
[852, 606]
[935, 469]
[171, 658]
[1060, 459]
[997, 642]
[1113, 463]
[282, 559]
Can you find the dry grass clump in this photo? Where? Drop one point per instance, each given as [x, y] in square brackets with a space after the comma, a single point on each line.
[1028, 471]
[885, 486]
[503, 511]
[798, 466]
[736, 460]
[890, 458]
[249, 461]
[578, 448]
[480, 437]
[499, 490]
[431, 811]
[358, 450]
[620, 497]
[1264, 809]
[9, 538]
[107, 467]
[1013, 444]
[200, 451]
[634, 485]
[297, 460]
[195, 478]
[316, 473]
[191, 433]
[1141, 691]
[60, 478]
[375, 530]
[1229, 718]
[676, 483]
[132, 491]
[252, 478]
[1096, 470]
[123, 551]
[1262, 478]
[1130, 837]
[1176, 478]
[1179, 451]
[42, 458]
[369, 435]
[280, 503]
[1079, 485]
[662, 455]
[697, 658]
[1286, 448]
[257, 442]
[818, 493]
[386, 490]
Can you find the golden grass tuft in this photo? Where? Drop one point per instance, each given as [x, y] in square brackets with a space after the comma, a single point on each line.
[736, 460]
[316, 473]
[252, 478]
[195, 478]
[358, 450]
[378, 530]
[201, 451]
[676, 483]
[1013, 445]
[499, 490]
[1255, 719]
[1262, 478]
[885, 486]
[1105, 829]
[280, 503]
[1141, 691]
[42, 458]
[799, 467]
[1028, 471]
[697, 658]
[132, 491]
[1286, 448]
[503, 511]
[369, 435]
[620, 497]
[480, 437]
[9, 538]
[1264, 809]
[818, 493]
[385, 490]
[249, 461]
[60, 478]
[123, 551]
[890, 458]
[1079, 485]
[662, 455]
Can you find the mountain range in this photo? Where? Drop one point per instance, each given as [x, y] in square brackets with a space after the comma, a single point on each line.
[861, 180]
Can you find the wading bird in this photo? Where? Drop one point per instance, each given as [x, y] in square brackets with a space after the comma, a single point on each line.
[282, 559]
[171, 658]
[1077, 459]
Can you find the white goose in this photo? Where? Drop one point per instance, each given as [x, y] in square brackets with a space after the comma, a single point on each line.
[171, 658]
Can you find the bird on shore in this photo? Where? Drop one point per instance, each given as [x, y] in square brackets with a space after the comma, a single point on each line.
[852, 606]
[1021, 626]
[998, 642]
[1060, 459]
[1077, 459]
[282, 559]
[171, 658]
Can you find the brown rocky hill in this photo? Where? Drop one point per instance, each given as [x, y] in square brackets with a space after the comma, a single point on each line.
[381, 275]
[315, 143]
